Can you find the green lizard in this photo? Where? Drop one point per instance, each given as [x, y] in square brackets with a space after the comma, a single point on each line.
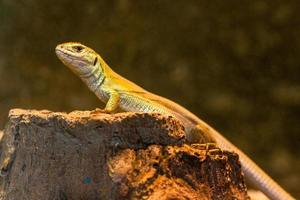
[120, 93]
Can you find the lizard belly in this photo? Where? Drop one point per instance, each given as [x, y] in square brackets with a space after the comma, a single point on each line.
[138, 104]
[135, 104]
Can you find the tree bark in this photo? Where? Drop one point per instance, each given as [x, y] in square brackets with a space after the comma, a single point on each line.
[81, 155]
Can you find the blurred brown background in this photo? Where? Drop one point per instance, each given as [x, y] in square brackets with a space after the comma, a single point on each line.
[233, 63]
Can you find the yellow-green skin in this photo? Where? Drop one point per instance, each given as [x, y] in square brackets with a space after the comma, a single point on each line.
[120, 93]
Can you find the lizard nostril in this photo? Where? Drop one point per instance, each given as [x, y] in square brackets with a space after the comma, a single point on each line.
[78, 49]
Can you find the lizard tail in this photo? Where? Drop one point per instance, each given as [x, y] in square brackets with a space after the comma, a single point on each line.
[252, 172]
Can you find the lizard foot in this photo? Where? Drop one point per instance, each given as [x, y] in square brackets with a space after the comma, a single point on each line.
[205, 146]
[211, 149]
[98, 111]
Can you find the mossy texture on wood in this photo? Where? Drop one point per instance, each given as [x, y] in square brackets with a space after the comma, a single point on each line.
[81, 155]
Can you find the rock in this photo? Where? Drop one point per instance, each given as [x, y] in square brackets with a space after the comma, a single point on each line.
[81, 155]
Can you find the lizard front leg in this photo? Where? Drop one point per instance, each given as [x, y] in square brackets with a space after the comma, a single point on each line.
[198, 134]
[112, 103]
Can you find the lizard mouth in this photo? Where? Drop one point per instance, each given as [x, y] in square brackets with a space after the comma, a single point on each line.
[63, 56]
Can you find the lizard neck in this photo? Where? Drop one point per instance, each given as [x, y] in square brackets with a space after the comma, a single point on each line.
[95, 80]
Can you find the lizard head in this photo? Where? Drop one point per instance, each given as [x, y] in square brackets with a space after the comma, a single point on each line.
[79, 58]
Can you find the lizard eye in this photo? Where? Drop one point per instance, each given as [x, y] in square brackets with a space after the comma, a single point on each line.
[78, 49]
[95, 61]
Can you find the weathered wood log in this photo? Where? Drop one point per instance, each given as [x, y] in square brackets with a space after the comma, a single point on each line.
[81, 155]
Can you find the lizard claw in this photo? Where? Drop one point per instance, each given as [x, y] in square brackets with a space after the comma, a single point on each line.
[98, 111]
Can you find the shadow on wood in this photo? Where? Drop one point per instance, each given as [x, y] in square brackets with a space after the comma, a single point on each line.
[48, 155]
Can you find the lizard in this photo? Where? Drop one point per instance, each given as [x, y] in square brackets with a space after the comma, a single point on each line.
[118, 93]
